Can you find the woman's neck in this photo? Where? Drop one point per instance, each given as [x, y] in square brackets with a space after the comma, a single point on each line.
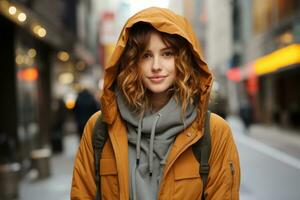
[158, 101]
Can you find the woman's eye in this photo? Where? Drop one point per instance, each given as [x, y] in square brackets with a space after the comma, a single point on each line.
[146, 55]
[168, 53]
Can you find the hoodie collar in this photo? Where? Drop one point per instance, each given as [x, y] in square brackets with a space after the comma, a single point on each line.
[161, 126]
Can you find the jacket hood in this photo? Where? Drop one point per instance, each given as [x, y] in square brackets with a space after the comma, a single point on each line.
[166, 21]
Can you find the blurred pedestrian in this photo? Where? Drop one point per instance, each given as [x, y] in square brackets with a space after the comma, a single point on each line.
[246, 115]
[7, 149]
[58, 120]
[85, 106]
[155, 98]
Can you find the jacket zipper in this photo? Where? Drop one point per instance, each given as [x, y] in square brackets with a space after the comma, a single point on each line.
[232, 178]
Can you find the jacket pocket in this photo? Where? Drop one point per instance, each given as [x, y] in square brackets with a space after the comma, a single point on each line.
[182, 171]
[187, 184]
[109, 179]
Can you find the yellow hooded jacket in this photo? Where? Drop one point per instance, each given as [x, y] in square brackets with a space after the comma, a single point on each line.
[180, 179]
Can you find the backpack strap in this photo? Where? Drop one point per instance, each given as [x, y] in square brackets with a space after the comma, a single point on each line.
[99, 137]
[201, 150]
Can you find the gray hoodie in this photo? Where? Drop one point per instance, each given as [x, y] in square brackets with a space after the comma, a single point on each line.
[150, 138]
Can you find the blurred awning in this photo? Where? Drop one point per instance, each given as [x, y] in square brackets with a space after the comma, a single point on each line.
[275, 61]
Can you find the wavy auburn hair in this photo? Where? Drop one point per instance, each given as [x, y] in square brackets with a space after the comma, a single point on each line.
[186, 86]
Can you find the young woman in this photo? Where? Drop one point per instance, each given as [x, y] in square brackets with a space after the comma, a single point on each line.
[156, 93]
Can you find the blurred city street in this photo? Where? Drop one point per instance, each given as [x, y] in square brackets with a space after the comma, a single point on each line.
[58, 185]
[52, 76]
[270, 166]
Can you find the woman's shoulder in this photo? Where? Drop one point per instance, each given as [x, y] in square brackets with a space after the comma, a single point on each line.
[91, 123]
[94, 117]
[218, 122]
[219, 127]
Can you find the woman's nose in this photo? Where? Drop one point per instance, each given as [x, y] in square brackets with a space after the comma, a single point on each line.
[156, 65]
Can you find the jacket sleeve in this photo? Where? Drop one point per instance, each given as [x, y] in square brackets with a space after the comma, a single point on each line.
[224, 176]
[83, 183]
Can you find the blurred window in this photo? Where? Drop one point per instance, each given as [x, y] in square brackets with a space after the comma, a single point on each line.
[268, 12]
[263, 12]
[287, 8]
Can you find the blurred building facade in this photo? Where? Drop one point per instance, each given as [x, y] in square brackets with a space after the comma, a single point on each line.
[31, 35]
[212, 22]
[254, 45]
[266, 64]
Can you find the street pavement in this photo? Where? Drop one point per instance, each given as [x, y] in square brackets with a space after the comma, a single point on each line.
[57, 186]
[269, 156]
[270, 164]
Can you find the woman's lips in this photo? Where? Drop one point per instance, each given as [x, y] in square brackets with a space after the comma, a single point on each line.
[157, 79]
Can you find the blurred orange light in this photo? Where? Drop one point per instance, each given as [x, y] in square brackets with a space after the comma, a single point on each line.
[36, 28]
[28, 74]
[234, 74]
[252, 84]
[63, 56]
[70, 104]
[19, 59]
[39, 30]
[31, 53]
[42, 32]
[286, 38]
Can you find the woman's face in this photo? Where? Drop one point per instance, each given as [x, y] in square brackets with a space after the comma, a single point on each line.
[157, 65]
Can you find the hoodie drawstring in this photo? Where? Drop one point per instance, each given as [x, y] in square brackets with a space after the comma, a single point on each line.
[152, 144]
[138, 151]
[138, 142]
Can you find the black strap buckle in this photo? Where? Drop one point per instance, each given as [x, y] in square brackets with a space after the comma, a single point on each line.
[204, 169]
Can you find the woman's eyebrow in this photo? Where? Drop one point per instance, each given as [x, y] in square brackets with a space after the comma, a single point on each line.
[167, 48]
[163, 49]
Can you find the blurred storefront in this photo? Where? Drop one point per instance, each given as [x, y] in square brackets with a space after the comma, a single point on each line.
[268, 64]
[31, 35]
